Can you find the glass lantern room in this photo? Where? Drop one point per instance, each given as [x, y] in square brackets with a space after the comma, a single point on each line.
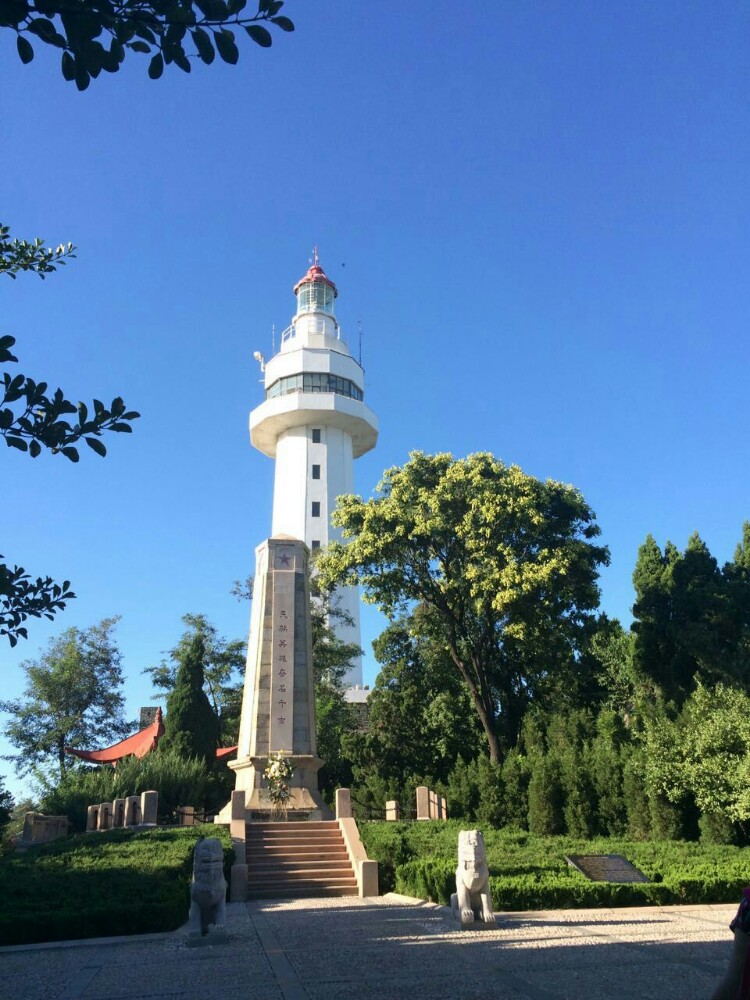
[315, 296]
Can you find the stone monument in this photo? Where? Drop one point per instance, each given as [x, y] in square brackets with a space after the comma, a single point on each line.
[471, 902]
[278, 704]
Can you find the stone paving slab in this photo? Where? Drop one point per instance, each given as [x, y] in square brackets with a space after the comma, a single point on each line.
[391, 948]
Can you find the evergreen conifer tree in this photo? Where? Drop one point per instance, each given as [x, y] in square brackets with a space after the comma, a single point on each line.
[191, 727]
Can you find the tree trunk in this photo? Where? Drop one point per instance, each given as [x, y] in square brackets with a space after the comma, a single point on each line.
[484, 711]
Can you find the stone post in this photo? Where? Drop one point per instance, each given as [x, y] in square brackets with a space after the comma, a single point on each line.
[28, 827]
[423, 802]
[105, 815]
[118, 812]
[186, 815]
[132, 810]
[149, 808]
[443, 807]
[343, 803]
[391, 810]
[433, 800]
[92, 819]
[369, 879]
[238, 833]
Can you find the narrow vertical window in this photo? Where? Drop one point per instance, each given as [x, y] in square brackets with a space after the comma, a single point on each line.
[316, 508]
[315, 544]
[316, 435]
[316, 472]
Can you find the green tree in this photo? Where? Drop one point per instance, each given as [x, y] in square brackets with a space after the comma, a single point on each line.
[191, 727]
[223, 671]
[624, 687]
[736, 578]
[688, 619]
[6, 808]
[335, 719]
[505, 563]
[31, 420]
[421, 719]
[161, 29]
[73, 697]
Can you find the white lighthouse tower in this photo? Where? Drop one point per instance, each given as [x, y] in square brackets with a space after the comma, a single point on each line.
[314, 423]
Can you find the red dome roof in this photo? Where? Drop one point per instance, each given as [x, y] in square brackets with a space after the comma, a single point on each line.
[315, 273]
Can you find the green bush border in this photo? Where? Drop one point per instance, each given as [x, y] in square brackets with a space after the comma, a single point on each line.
[529, 872]
[103, 884]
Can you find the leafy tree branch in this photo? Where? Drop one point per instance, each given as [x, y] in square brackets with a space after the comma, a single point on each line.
[32, 419]
[159, 28]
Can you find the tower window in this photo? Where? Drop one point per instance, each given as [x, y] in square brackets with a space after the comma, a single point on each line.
[315, 544]
[316, 508]
[316, 435]
[316, 472]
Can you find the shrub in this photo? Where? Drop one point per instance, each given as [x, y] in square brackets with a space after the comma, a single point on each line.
[634, 794]
[529, 872]
[546, 797]
[580, 809]
[118, 882]
[516, 773]
[179, 781]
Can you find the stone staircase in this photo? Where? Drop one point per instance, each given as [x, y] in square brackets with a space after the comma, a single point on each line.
[298, 859]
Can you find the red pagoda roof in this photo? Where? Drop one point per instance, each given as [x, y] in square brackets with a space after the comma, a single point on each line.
[139, 744]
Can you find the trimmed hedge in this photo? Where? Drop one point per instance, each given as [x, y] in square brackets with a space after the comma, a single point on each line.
[529, 872]
[96, 885]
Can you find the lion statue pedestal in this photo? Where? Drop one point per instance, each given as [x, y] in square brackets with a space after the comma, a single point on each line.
[471, 902]
[208, 893]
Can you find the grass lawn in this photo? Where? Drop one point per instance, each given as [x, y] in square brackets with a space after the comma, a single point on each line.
[93, 885]
[530, 873]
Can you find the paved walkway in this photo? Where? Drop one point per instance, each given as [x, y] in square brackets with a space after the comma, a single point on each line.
[387, 948]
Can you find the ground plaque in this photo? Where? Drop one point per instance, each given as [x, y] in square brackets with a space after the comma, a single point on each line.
[605, 867]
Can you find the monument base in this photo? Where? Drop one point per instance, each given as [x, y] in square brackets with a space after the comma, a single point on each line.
[304, 803]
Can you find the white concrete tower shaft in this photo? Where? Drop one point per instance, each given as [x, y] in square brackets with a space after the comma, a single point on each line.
[314, 423]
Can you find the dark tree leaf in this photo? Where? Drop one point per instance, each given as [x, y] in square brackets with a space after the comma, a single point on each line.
[25, 51]
[260, 35]
[96, 445]
[71, 453]
[68, 66]
[226, 46]
[156, 66]
[203, 45]
[283, 22]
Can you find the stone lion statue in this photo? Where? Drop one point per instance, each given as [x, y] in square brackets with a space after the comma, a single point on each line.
[208, 891]
[471, 901]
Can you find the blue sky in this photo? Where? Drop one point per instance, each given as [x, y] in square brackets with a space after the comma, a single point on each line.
[538, 212]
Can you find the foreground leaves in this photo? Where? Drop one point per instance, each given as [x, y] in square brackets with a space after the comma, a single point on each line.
[96, 35]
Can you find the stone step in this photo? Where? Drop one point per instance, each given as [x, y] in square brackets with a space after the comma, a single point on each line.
[321, 873]
[324, 824]
[291, 857]
[291, 831]
[296, 845]
[305, 881]
[296, 892]
[298, 864]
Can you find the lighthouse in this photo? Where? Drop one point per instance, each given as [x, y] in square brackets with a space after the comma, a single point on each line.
[314, 422]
